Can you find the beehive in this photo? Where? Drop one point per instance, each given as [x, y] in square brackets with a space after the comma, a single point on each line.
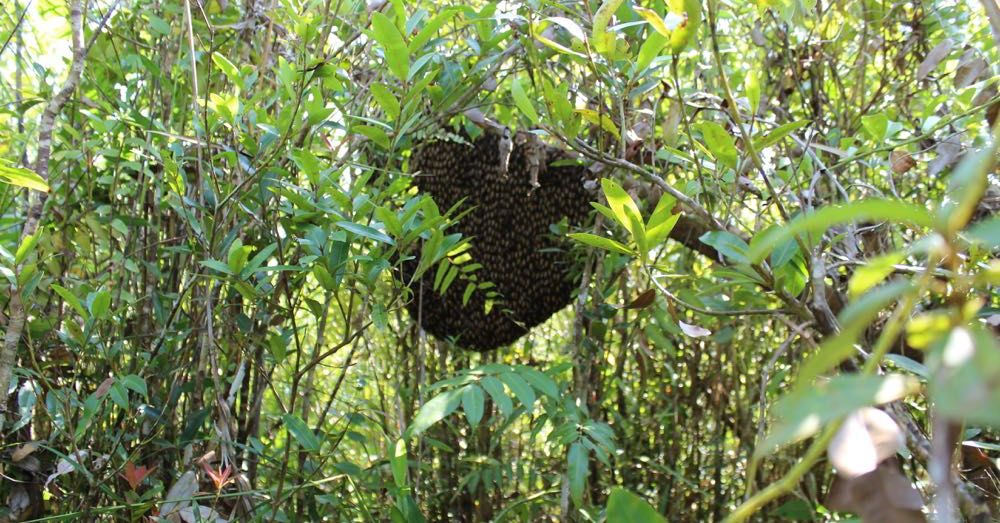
[509, 227]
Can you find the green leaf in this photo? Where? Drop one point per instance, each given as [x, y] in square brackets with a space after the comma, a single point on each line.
[577, 469]
[539, 380]
[601, 242]
[603, 41]
[600, 119]
[397, 463]
[875, 125]
[119, 395]
[728, 244]
[473, 401]
[872, 273]
[469, 289]
[682, 36]
[521, 389]
[719, 142]
[301, 432]
[987, 233]
[100, 303]
[966, 186]
[653, 19]
[22, 178]
[237, 256]
[375, 134]
[751, 84]
[258, 260]
[430, 28]
[522, 101]
[217, 265]
[397, 54]
[784, 254]
[435, 410]
[494, 388]
[650, 49]
[366, 231]
[227, 67]
[620, 202]
[624, 507]
[966, 386]
[70, 299]
[26, 247]
[136, 384]
[779, 133]
[854, 319]
[908, 364]
[823, 219]
[570, 26]
[803, 412]
[656, 234]
[386, 100]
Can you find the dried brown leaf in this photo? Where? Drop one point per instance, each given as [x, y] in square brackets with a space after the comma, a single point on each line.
[970, 68]
[24, 450]
[947, 152]
[901, 161]
[934, 57]
[643, 300]
[105, 387]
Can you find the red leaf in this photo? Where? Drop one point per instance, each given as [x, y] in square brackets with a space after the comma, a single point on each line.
[220, 477]
[134, 475]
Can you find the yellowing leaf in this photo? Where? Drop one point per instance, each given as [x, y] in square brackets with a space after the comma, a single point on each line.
[653, 19]
[602, 120]
[23, 178]
[602, 40]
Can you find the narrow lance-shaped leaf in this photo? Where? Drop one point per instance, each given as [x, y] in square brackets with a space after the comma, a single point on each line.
[576, 470]
[23, 178]
[473, 401]
[397, 55]
[823, 219]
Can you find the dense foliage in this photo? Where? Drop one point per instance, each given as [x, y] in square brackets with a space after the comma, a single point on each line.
[786, 305]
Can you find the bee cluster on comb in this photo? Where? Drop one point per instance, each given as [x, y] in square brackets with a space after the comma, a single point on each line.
[512, 204]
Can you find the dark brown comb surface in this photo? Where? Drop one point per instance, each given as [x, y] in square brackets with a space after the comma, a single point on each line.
[509, 226]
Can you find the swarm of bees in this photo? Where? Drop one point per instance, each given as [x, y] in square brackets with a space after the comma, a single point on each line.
[512, 203]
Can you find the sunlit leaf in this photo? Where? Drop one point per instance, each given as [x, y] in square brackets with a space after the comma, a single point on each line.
[397, 54]
[22, 178]
[826, 217]
[601, 243]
